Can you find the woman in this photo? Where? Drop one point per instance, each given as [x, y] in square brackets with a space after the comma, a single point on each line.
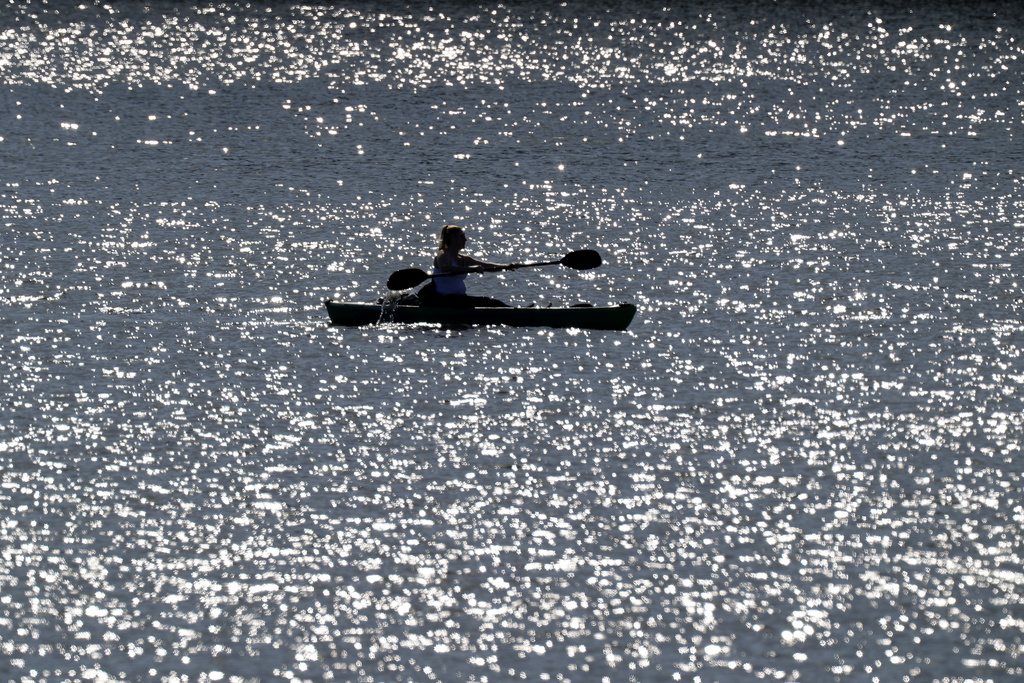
[448, 287]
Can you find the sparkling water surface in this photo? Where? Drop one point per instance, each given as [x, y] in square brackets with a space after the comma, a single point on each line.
[801, 462]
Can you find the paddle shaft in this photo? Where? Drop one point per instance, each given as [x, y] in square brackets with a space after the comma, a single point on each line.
[579, 260]
[495, 269]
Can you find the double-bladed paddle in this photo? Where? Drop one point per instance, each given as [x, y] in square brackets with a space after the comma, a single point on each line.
[584, 259]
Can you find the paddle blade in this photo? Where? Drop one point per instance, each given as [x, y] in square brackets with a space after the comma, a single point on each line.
[406, 279]
[581, 260]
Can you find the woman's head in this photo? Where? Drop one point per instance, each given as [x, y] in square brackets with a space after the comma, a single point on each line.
[449, 233]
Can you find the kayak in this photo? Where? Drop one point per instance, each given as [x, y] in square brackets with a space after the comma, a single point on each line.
[586, 317]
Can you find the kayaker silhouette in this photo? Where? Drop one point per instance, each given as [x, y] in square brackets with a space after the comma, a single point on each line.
[448, 286]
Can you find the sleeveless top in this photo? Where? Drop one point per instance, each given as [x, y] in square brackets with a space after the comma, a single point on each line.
[448, 285]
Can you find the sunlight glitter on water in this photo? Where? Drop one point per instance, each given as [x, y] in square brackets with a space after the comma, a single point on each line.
[799, 463]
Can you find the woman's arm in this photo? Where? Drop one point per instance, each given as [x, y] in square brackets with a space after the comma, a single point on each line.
[468, 264]
[484, 265]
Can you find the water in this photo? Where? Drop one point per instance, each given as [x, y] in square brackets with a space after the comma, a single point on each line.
[802, 461]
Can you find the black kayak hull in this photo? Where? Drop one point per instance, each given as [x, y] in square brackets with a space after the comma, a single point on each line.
[583, 317]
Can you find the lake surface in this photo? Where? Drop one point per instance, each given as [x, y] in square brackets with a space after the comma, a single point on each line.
[801, 462]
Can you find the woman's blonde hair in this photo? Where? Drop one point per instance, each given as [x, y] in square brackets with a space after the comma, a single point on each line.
[446, 235]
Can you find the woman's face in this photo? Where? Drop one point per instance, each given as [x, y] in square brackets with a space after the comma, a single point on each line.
[458, 239]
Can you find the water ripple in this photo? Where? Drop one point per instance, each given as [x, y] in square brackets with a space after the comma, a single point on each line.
[799, 463]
